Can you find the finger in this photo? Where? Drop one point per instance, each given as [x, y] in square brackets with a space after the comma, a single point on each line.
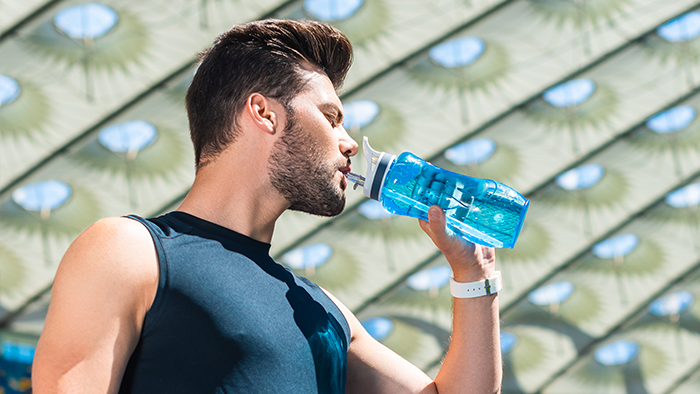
[438, 225]
[455, 249]
[424, 226]
[435, 226]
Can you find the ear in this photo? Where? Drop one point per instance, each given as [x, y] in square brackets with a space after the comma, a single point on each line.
[260, 110]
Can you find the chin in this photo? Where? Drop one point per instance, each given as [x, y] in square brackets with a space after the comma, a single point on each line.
[335, 209]
[321, 208]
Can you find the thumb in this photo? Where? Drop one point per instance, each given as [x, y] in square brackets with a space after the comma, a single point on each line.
[454, 248]
[436, 226]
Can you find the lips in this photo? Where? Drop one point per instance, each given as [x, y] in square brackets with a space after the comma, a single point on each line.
[345, 171]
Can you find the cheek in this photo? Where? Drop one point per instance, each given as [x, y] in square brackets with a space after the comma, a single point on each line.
[326, 142]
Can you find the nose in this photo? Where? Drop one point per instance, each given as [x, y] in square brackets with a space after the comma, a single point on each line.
[347, 145]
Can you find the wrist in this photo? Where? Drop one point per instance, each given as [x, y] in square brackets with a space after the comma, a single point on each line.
[479, 288]
[466, 276]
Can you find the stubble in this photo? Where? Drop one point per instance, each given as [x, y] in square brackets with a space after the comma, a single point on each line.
[298, 170]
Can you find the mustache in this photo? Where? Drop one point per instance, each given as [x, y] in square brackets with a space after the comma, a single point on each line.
[344, 164]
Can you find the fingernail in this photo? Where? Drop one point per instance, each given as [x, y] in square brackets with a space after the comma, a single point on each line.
[433, 212]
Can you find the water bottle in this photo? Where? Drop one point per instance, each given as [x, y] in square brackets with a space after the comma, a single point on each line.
[481, 210]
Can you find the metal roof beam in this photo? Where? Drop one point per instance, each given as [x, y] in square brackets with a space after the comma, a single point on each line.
[12, 30]
[683, 379]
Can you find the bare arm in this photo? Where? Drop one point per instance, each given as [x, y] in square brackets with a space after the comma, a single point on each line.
[473, 361]
[104, 285]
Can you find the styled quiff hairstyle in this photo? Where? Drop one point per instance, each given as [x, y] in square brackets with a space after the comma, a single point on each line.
[267, 57]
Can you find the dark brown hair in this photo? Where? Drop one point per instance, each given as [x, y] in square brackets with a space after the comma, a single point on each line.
[266, 57]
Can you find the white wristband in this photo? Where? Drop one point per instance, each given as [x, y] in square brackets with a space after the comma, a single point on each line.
[476, 289]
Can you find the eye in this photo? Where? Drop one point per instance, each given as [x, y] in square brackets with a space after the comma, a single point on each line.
[331, 120]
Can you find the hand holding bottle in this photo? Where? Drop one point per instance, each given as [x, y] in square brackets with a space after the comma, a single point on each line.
[470, 262]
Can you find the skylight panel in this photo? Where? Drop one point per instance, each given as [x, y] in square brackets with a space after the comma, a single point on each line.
[86, 20]
[680, 29]
[553, 293]
[332, 10]
[508, 341]
[570, 93]
[671, 304]
[378, 327]
[308, 256]
[130, 136]
[684, 197]
[359, 113]
[431, 278]
[41, 196]
[616, 353]
[616, 246]
[458, 52]
[674, 119]
[372, 209]
[9, 89]
[471, 152]
[580, 177]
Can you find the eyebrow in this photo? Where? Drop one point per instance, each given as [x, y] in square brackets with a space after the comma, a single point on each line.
[332, 108]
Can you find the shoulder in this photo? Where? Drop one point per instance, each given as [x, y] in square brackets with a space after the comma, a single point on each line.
[113, 232]
[104, 285]
[117, 253]
[355, 326]
[120, 241]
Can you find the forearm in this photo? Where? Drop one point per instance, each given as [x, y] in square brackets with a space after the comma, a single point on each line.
[473, 362]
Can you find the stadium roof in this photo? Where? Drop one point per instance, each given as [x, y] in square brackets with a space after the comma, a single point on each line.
[589, 108]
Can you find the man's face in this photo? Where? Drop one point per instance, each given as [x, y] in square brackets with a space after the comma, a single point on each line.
[309, 162]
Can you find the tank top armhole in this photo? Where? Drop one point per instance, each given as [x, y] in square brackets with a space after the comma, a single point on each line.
[154, 310]
[340, 317]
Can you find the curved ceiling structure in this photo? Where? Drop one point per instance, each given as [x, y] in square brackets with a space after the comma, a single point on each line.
[588, 108]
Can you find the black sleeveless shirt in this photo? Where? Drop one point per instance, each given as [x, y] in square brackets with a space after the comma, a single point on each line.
[228, 319]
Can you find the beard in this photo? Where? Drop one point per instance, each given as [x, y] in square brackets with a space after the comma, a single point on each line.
[300, 173]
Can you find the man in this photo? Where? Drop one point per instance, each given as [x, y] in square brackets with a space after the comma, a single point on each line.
[192, 302]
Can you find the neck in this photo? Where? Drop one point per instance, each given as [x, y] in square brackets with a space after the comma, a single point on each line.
[236, 194]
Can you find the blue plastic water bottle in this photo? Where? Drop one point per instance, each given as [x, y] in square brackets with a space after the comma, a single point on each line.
[481, 210]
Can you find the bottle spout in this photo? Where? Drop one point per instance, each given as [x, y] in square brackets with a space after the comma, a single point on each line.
[377, 165]
[357, 180]
[371, 155]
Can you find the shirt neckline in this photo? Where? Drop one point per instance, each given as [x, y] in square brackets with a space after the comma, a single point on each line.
[219, 231]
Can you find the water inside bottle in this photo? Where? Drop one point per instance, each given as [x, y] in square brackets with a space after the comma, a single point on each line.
[480, 210]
